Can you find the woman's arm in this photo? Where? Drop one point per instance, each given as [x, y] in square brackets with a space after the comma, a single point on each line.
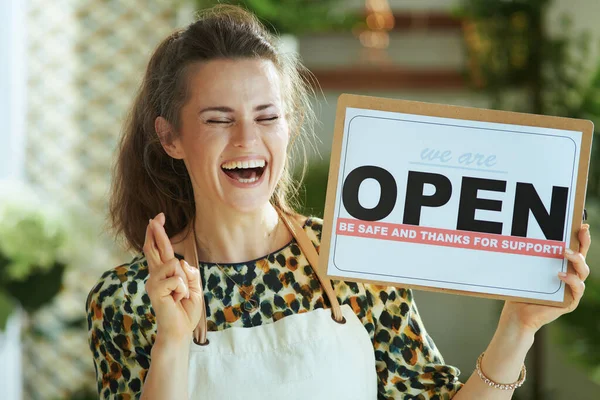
[502, 363]
[123, 335]
[132, 360]
[173, 287]
[119, 342]
[168, 374]
[518, 324]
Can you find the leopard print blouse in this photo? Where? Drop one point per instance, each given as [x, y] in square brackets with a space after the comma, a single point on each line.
[122, 325]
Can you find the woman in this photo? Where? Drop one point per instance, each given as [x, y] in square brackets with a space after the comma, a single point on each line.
[225, 301]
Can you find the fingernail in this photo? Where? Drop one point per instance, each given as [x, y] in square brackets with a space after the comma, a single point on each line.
[569, 251]
[585, 228]
[562, 274]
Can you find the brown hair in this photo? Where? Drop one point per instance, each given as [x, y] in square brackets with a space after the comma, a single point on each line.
[146, 180]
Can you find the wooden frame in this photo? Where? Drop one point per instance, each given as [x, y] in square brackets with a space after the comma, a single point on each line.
[455, 112]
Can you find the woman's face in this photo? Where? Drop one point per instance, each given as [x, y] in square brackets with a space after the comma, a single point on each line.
[234, 134]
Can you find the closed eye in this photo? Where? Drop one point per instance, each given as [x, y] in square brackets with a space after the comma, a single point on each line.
[269, 119]
[221, 122]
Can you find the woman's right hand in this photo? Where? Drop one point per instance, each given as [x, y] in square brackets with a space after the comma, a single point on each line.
[173, 285]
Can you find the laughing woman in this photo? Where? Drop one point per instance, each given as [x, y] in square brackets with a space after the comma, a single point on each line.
[224, 300]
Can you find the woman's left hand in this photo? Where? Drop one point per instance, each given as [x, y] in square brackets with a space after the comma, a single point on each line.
[529, 318]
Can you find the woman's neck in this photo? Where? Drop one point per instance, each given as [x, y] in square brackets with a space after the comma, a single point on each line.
[225, 236]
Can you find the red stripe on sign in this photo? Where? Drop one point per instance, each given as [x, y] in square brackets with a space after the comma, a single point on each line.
[450, 238]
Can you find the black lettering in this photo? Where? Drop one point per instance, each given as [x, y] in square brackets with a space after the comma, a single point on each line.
[387, 201]
[552, 223]
[470, 203]
[415, 199]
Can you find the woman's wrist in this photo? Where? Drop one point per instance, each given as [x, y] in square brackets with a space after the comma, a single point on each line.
[170, 345]
[170, 358]
[505, 355]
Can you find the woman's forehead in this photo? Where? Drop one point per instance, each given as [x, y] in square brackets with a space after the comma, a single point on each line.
[235, 81]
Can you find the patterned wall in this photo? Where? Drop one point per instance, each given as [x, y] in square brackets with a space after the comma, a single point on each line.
[85, 61]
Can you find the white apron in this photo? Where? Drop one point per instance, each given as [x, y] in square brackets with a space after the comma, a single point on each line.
[300, 356]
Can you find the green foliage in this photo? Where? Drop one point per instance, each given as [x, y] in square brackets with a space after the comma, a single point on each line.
[84, 394]
[580, 330]
[32, 250]
[509, 48]
[36, 289]
[590, 109]
[294, 16]
[30, 240]
[501, 40]
[7, 304]
[314, 188]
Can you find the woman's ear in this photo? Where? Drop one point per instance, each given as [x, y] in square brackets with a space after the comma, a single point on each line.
[165, 134]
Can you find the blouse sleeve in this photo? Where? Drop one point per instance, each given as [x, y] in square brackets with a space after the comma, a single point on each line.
[407, 360]
[120, 350]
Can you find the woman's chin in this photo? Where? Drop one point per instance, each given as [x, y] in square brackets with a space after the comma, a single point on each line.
[246, 197]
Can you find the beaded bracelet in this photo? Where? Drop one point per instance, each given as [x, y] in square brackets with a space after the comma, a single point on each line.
[508, 386]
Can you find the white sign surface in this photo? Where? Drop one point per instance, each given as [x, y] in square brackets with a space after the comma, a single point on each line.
[478, 206]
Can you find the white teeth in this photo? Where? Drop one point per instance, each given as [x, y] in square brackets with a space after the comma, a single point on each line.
[247, 180]
[243, 164]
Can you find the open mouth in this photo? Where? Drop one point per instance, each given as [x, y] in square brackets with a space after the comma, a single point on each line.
[248, 171]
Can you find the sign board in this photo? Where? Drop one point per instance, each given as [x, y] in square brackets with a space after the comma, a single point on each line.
[454, 199]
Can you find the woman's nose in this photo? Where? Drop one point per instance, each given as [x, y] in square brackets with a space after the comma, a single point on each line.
[246, 134]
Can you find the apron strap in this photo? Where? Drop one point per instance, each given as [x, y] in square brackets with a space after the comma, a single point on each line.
[201, 328]
[311, 255]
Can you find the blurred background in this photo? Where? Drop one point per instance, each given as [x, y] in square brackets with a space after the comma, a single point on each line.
[68, 73]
